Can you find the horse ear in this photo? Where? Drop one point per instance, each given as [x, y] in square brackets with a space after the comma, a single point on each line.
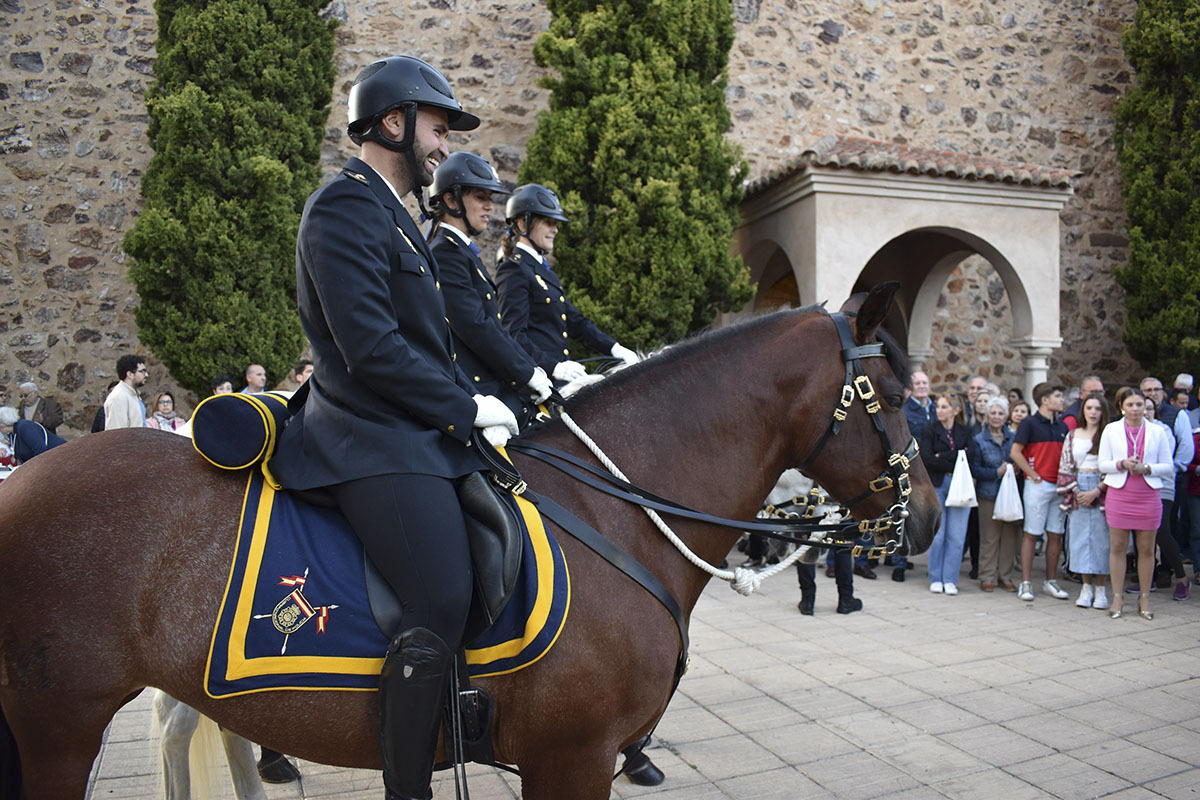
[873, 309]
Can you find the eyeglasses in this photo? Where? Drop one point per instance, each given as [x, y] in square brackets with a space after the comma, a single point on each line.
[166, 400]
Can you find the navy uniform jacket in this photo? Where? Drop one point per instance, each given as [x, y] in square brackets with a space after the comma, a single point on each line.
[31, 439]
[537, 313]
[491, 359]
[385, 396]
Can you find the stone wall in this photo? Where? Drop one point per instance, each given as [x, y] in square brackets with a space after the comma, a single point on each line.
[1020, 80]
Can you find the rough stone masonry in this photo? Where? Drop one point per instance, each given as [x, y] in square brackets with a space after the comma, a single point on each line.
[1028, 80]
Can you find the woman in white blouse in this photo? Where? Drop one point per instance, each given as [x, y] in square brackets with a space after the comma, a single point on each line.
[1134, 458]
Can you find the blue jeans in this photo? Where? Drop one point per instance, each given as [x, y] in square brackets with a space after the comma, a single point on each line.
[946, 552]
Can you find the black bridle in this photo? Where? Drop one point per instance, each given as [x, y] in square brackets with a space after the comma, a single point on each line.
[809, 532]
[895, 474]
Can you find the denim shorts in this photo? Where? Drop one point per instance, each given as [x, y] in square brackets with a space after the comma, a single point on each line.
[1042, 514]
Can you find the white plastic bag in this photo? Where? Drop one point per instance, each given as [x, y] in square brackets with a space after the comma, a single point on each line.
[962, 488]
[1008, 506]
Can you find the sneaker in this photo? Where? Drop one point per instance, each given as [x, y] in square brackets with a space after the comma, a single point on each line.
[1101, 600]
[936, 587]
[1086, 596]
[1181, 591]
[950, 588]
[1025, 592]
[1051, 588]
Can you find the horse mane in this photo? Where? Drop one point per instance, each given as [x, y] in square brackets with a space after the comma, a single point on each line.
[718, 341]
[713, 341]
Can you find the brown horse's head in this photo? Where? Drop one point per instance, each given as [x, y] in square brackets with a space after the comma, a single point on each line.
[840, 461]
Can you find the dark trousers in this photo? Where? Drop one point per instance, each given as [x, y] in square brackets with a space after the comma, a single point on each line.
[843, 573]
[1167, 546]
[413, 530]
[971, 543]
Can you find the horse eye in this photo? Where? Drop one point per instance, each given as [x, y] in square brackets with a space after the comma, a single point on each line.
[894, 400]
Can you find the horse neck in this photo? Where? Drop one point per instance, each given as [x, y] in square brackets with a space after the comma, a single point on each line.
[704, 430]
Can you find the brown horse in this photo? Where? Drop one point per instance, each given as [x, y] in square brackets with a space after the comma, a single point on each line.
[109, 585]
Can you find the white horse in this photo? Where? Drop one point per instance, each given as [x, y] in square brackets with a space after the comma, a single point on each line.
[178, 723]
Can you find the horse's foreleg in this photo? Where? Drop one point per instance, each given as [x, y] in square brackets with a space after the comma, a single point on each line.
[178, 721]
[242, 767]
[581, 774]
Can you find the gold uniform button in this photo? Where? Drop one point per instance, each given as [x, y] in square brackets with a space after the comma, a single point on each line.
[477, 379]
[566, 352]
[562, 299]
[564, 316]
[437, 285]
[450, 429]
[489, 295]
[497, 316]
[547, 299]
[454, 356]
[564, 334]
[422, 270]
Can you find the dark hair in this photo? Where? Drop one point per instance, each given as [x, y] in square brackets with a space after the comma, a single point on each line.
[1043, 390]
[128, 363]
[1014, 390]
[222, 378]
[1105, 415]
[1177, 391]
[300, 365]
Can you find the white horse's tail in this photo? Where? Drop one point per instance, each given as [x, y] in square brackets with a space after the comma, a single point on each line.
[205, 757]
[192, 749]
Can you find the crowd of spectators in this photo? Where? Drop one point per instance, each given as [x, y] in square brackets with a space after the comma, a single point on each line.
[1106, 489]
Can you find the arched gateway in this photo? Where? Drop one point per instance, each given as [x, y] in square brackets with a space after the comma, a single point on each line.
[852, 212]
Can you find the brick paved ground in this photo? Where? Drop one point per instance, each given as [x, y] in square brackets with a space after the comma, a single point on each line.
[917, 696]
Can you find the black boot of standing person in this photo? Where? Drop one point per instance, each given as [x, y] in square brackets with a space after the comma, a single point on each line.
[807, 573]
[843, 573]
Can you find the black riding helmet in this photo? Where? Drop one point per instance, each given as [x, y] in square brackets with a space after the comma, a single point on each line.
[529, 201]
[460, 171]
[401, 82]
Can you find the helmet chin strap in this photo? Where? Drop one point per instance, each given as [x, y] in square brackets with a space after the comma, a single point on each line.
[405, 145]
[528, 217]
[460, 212]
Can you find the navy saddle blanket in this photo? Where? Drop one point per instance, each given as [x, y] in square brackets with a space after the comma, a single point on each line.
[295, 613]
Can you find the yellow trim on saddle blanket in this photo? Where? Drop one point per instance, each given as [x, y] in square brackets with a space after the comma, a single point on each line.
[244, 579]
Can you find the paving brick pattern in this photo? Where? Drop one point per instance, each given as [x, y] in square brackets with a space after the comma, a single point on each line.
[917, 696]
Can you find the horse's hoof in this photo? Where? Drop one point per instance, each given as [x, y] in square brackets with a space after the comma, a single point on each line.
[641, 770]
[278, 771]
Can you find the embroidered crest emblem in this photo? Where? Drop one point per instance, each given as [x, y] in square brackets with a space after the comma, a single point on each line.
[541, 282]
[290, 613]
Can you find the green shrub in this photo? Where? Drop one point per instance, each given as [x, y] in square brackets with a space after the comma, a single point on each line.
[238, 112]
[634, 142]
[1158, 147]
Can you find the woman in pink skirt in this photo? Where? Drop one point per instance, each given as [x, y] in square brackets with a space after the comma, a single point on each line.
[1134, 458]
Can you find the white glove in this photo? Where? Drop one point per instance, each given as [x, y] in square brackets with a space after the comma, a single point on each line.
[567, 371]
[497, 435]
[493, 413]
[625, 354]
[539, 385]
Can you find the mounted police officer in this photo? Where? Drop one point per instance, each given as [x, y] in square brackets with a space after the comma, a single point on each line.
[461, 202]
[386, 417]
[533, 304]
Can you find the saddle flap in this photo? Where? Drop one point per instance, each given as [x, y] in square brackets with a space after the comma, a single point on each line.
[494, 534]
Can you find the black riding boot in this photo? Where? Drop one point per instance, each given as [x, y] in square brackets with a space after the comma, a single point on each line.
[844, 572]
[412, 690]
[808, 587]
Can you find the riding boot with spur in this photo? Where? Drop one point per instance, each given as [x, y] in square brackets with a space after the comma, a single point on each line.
[412, 691]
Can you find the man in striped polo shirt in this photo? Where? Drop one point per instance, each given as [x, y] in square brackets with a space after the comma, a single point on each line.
[1036, 450]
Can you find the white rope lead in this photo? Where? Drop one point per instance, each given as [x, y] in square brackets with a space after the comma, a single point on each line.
[741, 579]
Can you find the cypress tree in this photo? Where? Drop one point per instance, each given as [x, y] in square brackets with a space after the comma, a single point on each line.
[1158, 147]
[238, 110]
[633, 142]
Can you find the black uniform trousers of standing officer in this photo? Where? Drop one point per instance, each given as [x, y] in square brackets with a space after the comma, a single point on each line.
[536, 311]
[491, 359]
[385, 425]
